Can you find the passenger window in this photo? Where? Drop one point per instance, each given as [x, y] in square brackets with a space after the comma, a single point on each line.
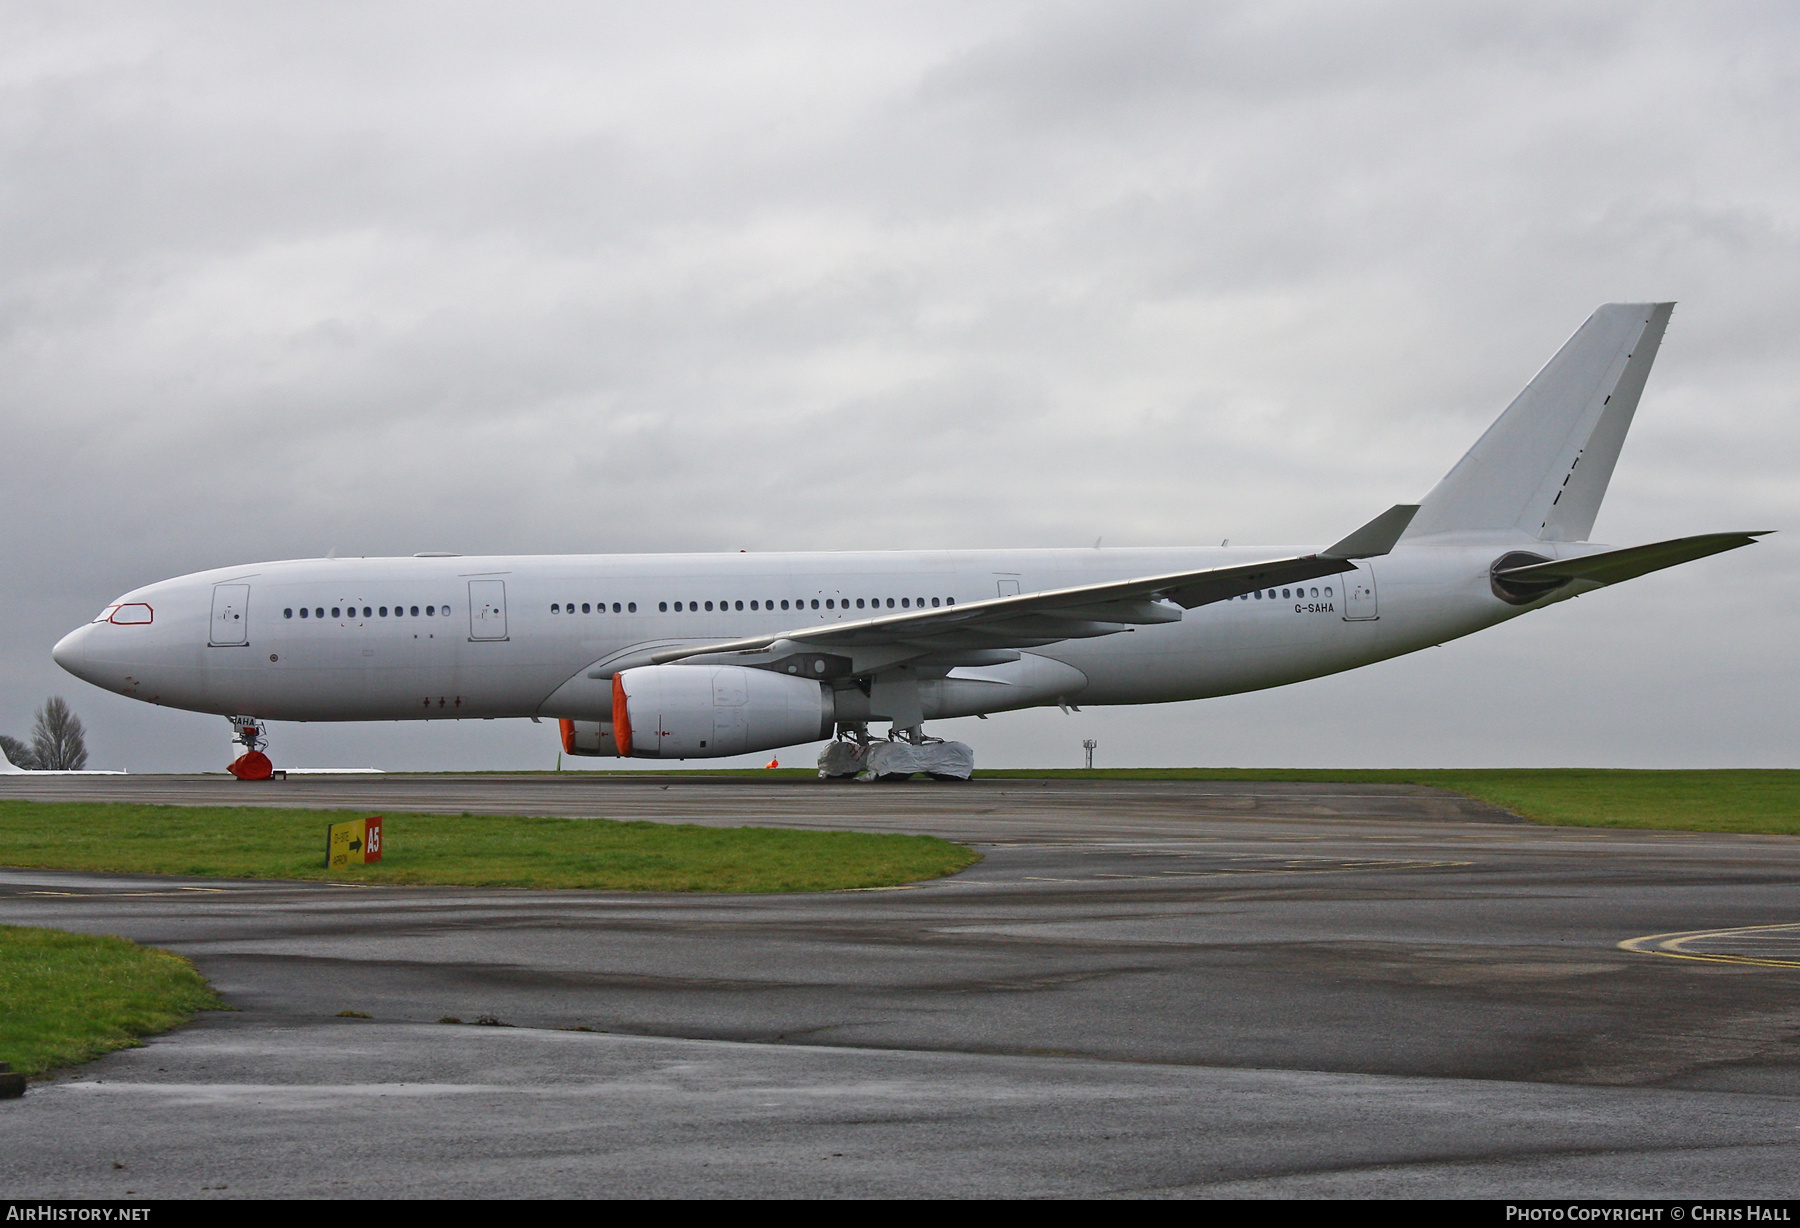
[890, 602]
[815, 603]
[709, 607]
[584, 608]
[1259, 594]
[367, 611]
[334, 612]
[1287, 594]
[431, 611]
[934, 602]
[414, 611]
[288, 613]
[555, 608]
[784, 603]
[949, 601]
[303, 613]
[1328, 590]
[859, 603]
[828, 603]
[920, 602]
[739, 604]
[319, 612]
[1315, 592]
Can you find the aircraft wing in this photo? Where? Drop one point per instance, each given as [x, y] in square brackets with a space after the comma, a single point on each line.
[1614, 566]
[1031, 620]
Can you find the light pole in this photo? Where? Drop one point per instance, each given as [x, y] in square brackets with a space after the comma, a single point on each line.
[1088, 745]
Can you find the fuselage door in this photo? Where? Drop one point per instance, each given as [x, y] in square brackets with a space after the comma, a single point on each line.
[230, 616]
[1361, 603]
[1007, 585]
[487, 609]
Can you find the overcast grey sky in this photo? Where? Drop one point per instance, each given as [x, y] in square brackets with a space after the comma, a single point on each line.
[382, 278]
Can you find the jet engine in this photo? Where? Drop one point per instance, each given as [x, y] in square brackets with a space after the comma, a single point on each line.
[710, 711]
[588, 738]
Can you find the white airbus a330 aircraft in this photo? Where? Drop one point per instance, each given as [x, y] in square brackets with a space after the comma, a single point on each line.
[698, 656]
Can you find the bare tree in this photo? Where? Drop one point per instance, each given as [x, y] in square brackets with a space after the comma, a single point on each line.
[18, 754]
[57, 739]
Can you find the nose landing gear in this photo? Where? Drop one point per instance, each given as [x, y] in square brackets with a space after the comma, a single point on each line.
[247, 731]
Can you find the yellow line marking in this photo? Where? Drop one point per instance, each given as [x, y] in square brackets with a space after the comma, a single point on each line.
[1675, 945]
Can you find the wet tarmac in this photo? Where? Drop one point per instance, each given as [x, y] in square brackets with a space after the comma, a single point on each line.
[1145, 988]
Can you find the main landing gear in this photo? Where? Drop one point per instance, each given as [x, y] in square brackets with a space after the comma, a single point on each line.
[903, 754]
[247, 731]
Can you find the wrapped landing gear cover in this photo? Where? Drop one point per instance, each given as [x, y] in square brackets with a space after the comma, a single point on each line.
[897, 760]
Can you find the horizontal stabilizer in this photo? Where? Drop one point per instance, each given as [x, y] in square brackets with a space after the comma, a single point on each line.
[1375, 538]
[1614, 566]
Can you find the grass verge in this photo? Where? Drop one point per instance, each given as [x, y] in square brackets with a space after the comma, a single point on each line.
[466, 850]
[66, 998]
[1747, 800]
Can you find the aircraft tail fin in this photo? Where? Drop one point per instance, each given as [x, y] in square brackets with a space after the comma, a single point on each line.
[1542, 468]
[7, 766]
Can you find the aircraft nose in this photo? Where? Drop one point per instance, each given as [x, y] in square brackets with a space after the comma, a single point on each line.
[71, 652]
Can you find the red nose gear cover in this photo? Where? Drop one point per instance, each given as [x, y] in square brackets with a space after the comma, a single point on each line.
[252, 765]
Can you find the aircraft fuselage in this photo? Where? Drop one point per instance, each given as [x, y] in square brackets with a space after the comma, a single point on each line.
[418, 638]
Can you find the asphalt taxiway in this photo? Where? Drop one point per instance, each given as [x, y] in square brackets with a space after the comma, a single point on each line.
[1182, 988]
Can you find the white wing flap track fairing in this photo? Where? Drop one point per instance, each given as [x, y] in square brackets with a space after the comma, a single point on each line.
[1033, 620]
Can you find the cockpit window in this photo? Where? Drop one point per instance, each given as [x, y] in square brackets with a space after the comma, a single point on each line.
[105, 616]
[134, 613]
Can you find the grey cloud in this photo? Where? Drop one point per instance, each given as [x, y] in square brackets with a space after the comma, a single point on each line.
[576, 277]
